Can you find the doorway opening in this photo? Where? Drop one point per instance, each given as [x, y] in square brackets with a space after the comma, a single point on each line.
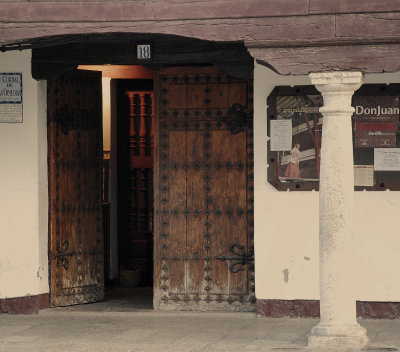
[187, 116]
[128, 146]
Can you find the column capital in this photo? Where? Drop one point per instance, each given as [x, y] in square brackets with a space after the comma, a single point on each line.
[337, 81]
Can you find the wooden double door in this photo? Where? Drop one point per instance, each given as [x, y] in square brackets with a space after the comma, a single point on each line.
[203, 190]
[203, 241]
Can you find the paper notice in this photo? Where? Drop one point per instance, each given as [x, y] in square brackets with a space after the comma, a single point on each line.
[387, 159]
[281, 135]
[10, 113]
[364, 175]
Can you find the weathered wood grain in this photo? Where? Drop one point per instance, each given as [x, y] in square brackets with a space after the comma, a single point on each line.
[203, 186]
[369, 26]
[267, 31]
[50, 11]
[355, 6]
[297, 24]
[76, 257]
[367, 58]
[157, 251]
[271, 29]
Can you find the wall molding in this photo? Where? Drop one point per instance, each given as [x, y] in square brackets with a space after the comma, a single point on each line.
[275, 308]
[24, 305]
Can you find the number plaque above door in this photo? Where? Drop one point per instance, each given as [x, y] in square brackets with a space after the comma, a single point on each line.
[143, 51]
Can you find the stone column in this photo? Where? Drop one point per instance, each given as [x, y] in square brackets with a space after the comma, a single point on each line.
[338, 327]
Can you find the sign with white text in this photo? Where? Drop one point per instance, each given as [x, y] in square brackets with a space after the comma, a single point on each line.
[376, 120]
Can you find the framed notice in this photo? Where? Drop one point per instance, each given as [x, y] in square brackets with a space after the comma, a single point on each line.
[294, 128]
[376, 134]
[376, 121]
[11, 103]
[376, 137]
[281, 135]
[387, 159]
[364, 175]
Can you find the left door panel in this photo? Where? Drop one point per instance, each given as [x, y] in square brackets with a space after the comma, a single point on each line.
[76, 251]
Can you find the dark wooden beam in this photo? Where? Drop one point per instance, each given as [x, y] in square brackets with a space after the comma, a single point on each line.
[232, 58]
[51, 70]
[122, 50]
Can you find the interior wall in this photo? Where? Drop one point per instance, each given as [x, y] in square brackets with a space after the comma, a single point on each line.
[115, 73]
[110, 75]
[114, 184]
[23, 188]
[110, 145]
[286, 223]
[106, 90]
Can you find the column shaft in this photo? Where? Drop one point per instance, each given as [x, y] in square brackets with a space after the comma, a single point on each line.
[338, 325]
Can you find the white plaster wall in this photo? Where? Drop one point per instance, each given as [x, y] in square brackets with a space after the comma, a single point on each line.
[23, 189]
[286, 223]
[377, 232]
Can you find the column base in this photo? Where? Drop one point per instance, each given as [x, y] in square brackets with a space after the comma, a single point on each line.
[338, 337]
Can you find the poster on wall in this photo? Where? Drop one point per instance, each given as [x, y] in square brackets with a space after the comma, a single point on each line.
[364, 175]
[281, 135]
[300, 162]
[11, 106]
[387, 159]
[376, 120]
[294, 157]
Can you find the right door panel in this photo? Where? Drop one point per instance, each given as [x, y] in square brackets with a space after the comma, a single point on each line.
[203, 191]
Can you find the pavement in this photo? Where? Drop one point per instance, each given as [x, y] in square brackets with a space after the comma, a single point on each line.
[111, 326]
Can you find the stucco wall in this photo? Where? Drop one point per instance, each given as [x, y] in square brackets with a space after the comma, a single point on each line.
[286, 223]
[23, 189]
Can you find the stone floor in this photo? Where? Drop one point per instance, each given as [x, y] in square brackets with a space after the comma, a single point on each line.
[119, 299]
[126, 322]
